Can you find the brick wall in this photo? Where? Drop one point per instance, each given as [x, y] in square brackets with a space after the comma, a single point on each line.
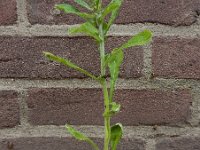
[159, 86]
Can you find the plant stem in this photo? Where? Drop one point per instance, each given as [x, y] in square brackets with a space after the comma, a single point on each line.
[106, 118]
[105, 91]
[93, 144]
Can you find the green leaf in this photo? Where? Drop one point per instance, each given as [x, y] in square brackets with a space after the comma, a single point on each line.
[83, 4]
[140, 39]
[114, 61]
[116, 135]
[76, 134]
[86, 16]
[73, 10]
[114, 13]
[86, 28]
[80, 136]
[105, 26]
[98, 4]
[67, 63]
[112, 6]
[67, 8]
[114, 108]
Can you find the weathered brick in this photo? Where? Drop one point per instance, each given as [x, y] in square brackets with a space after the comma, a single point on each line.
[8, 12]
[179, 143]
[9, 109]
[55, 143]
[150, 107]
[23, 58]
[170, 12]
[175, 57]
[59, 106]
[40, 143]
[132, 144]
[85, 106]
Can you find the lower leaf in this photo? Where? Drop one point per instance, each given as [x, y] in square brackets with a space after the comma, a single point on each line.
[80, 136]
[116, 135]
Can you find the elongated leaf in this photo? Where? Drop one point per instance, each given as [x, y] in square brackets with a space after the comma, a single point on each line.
[68, 64]
[140, 39]
[112, 6]
[116, 55]
[73, 10]
[83, 4]
[105, 27]
[98, 4]
[67, 8]
[76, 134]
[86, 16]
[114, 62]
[114, 13]
[116, 135]
[86, 28]
[80, 136]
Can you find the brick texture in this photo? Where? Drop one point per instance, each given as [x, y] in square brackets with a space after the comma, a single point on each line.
[180, 143]
[9, 109]
[170, 12]
[23, 58]
[55, 143]
[85, 106]
[8, 12]
[170, 100]
[175, 57]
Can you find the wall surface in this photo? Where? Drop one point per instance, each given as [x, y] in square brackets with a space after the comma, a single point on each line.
[159, 86]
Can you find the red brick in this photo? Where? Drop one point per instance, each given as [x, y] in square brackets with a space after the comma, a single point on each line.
[150, 107]
[170, 12]
[55, 143]
[85, 106]
[175, 57]
[23, 58]
[40, 143]
[8, 12]
[42, 12]
[179, 143]
[9, 109]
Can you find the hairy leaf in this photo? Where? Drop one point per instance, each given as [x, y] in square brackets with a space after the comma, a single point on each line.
[80, 136]
[140, 39]
[67, 8]
[83, 4]
[114, 61]
[86, 28]
[114, 13]
[112, 6]
[73, 10]
[114, 108]
[68, 64]
[76, 134]
[116, 135]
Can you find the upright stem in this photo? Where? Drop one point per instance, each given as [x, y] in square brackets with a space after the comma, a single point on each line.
[105, 91]
[106, 118]
[94, 145]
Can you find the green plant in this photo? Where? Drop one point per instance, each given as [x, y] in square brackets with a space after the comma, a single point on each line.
[97, 27]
